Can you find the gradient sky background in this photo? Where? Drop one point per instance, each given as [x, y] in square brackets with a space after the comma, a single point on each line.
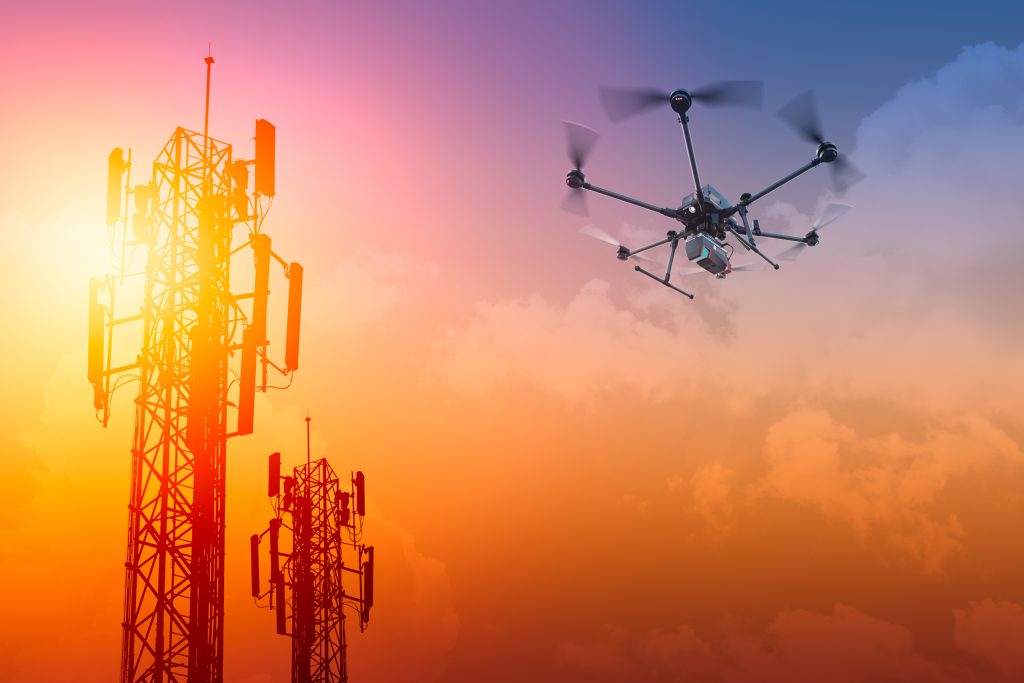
[804, 475]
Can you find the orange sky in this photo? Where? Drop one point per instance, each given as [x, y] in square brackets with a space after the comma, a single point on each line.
[807, 475]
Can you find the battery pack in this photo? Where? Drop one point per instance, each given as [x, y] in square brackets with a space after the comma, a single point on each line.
[707, 253]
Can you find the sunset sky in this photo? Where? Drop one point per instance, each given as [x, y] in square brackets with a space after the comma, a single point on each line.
[574, 474]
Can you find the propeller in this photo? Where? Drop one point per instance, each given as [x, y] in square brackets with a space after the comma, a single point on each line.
[753, 267]
[828, 215]
[623, 251]
[580, 142]
[623, 103]
[742, 268]
[801, 113]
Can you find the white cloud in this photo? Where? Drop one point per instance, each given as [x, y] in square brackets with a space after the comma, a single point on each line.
[586, 348]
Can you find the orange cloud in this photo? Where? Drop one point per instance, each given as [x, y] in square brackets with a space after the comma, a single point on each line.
[886, 484]
[796, 646]
[713, 487]
[994, 631]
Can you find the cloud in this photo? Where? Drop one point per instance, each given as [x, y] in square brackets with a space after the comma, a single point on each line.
[940, 210]
[713, 486]
[365, 288]
[884, 484]
[413, 611]
[994, 631]
[587, 348]
[796, 646]
[961, 129]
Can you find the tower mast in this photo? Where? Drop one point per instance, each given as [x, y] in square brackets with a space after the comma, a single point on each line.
[192, 329]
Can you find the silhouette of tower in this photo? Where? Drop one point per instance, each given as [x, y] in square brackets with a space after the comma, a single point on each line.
[196, 337]
[311, 579]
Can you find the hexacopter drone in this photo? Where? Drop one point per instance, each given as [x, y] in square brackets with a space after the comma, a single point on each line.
[708, 218]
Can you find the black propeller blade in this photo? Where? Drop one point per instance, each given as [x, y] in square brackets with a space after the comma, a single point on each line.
[599, 234]
[623, 103]
[828, 215]
[844, 174]
[801, 113]
[580, 142]
[730, 94]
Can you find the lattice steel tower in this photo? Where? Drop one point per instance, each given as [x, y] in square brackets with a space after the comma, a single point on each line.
[312, 578]
[197, 366]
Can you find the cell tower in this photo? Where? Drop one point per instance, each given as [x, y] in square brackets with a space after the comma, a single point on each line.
[201, 346]
[311, 578]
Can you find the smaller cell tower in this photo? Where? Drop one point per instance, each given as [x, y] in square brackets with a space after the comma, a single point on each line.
[310, 585]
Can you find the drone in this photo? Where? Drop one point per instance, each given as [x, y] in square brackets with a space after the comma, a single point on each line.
[708, 220]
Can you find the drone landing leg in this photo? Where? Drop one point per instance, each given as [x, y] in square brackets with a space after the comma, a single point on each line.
[751, 247]
[664, 282]
[684, 121]
[671, 258]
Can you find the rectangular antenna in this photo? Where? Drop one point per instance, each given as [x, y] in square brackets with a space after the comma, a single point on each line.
[97, 313]
[343, 512]
[368, 585]
[275, 564]
[115, 167]
[265, 144]
[282, 624]
[254, 554]
[360, 494]
[291, 340]
[261, 254]
[247, 383]
[274, 475]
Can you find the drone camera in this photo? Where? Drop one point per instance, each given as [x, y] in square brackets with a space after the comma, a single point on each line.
[827, 152]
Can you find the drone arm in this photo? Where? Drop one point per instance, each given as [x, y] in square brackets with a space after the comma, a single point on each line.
[671, 213]
[652, 245]
[698, 193]
[748, 200]
[773, 235]
[751, 247]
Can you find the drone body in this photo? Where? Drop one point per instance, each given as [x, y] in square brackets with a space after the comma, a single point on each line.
[709, 220]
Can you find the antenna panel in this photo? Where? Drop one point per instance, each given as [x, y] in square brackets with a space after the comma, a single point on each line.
[282, 623]
[360, 481]
[261, 254]
[291, 342]
[247, 383]
[97, 313]
[115, 167]
[254, 555]
[274, 475]
[368, 585]
[266, 135]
